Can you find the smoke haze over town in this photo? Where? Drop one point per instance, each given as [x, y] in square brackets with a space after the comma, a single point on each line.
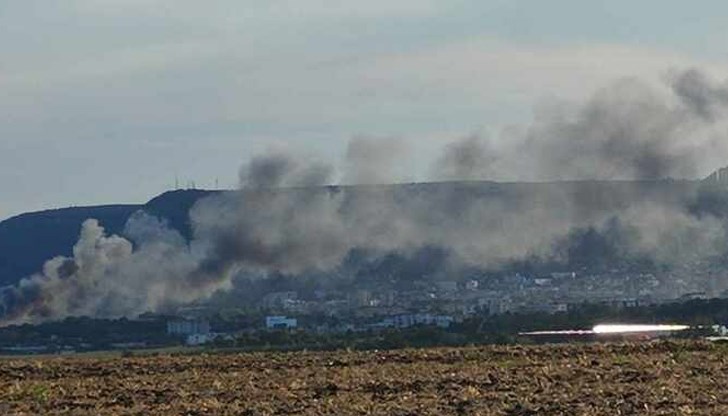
[445, 141]
[376, 207]
[288, 218]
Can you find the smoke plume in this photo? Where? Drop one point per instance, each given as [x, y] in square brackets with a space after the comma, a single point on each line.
[282, 220]
[628, 130]
[373, 160]
[467, 159]
[277, 169]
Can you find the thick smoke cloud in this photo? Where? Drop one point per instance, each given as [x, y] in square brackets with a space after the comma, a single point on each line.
[373, 160]
[278, 169]
[624, 132]
[467, 159]
[288, 231]
[282, 221]
[108, 276]
[701, 96]
[628, 130]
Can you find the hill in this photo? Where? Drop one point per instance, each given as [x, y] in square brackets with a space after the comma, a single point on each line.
[28, 240]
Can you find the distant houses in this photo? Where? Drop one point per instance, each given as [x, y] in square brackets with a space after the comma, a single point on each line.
[188, 327]
[195, 331]
[280, 322]
[415, 319]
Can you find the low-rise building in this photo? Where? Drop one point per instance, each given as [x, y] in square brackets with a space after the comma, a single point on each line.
[199, 339]
[276, 300]
[188, 326]
[409, 320]
[546, 307]
[280, 322]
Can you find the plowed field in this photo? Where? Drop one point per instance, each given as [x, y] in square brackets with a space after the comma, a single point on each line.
[658, 378]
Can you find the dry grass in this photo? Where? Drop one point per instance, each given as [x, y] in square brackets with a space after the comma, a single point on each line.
[663, 378]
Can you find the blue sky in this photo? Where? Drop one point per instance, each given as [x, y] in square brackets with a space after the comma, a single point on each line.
[106, 101]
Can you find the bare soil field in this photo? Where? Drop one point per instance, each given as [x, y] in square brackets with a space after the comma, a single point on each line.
[657, 378]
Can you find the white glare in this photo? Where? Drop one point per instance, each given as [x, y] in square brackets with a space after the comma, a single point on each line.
[621, 329]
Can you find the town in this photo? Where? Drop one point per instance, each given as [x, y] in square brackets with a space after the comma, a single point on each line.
[507, 303]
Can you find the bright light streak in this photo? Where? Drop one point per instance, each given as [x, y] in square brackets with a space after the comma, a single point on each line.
[626, 329]
[567, 332]
[613, 329]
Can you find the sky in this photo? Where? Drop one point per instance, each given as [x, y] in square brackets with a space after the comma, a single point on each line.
[112, 101]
